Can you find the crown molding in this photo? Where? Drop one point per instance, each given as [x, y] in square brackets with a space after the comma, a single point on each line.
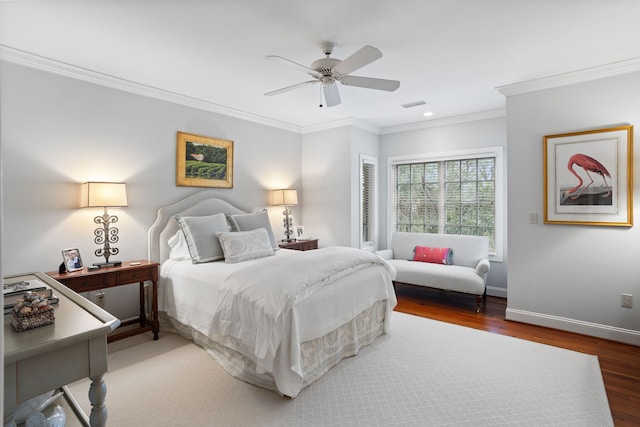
[446, 121]
[580, 76]
[20, 57]
[30, 60]
[342, 123]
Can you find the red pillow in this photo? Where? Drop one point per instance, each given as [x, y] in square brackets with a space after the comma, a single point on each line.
[434, 255]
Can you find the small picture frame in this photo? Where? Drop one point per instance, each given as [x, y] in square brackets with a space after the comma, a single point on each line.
[72, 259]
[299, 232]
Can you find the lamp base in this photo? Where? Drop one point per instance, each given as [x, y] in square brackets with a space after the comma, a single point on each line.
[107, 264]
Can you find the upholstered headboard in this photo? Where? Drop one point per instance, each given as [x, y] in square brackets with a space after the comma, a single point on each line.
[205, 202]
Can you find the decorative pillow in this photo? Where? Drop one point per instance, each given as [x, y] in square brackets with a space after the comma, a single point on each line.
[434, 255]
[245, 245]
[248, 222]
[179, 249]
[200, 234]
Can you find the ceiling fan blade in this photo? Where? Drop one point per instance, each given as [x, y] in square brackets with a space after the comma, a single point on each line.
[302, 68]
[371, 83]
[288, 88]
[331, 95]
[364, 56]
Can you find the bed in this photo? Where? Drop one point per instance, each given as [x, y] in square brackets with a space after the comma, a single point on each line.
[278, 321]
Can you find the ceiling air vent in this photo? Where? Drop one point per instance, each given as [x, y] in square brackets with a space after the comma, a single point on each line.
[412, 104]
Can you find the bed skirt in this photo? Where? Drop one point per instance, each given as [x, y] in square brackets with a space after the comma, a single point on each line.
[318, 355]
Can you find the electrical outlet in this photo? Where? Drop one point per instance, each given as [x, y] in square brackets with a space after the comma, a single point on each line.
[100, 299]
[627, 300]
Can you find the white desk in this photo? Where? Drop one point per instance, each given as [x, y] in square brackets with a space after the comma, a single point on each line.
[49, 357]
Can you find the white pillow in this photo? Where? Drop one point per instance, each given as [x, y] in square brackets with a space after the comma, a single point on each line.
[248, 222]
[179, 250]
[201, 235]
[245, 245]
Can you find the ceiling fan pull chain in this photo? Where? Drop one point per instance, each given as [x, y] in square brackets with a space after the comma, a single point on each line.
[320, 87]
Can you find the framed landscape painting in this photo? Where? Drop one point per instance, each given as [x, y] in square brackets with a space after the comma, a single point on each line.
[204, 161]
[588, 177]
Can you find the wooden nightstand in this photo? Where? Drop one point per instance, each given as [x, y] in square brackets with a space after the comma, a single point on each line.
[109, 277]
[300, 245]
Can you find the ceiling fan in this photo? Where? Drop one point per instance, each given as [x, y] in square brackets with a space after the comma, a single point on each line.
[328, 71]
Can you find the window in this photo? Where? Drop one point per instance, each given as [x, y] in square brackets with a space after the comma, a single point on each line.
[450, 194]
[368, 202]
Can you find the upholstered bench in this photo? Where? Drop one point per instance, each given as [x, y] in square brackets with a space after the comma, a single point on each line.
[465, 270]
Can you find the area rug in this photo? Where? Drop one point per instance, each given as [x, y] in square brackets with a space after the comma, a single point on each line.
[423, 373]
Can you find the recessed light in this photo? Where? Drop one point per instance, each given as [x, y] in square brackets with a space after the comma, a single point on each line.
[428, 114]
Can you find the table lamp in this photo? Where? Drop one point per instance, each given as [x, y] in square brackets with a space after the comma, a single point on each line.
[104, 195]
[286, 198]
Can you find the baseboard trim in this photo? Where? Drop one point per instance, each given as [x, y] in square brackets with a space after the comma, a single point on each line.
[612, 333]
[495, 291]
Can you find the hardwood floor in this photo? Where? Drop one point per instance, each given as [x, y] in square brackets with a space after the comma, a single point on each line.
[619, 363]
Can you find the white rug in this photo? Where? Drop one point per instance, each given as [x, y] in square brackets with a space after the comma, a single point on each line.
[423, 373]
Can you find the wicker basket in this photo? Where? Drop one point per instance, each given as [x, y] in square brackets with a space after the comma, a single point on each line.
[21, 322]
[37, 317]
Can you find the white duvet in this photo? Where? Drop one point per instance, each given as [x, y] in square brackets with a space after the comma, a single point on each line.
[262, 306]
[255, 303]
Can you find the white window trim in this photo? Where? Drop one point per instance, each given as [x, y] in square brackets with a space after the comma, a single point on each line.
[370, 245]
[494, 151]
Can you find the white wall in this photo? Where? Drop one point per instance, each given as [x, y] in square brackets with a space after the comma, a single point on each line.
[326, 172]
[570, 276]
[58, 132]
[1, 270]
[331, 182]
[444, 139]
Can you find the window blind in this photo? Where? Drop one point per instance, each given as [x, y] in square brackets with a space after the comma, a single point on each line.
[367, 199]
[446, 196]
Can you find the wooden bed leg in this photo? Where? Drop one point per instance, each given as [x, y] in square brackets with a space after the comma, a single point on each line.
[478, 303]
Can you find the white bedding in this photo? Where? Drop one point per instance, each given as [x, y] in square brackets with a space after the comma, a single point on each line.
[189, 294]
[256, 303]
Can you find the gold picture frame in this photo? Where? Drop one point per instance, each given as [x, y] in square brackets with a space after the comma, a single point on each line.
[588, 177]
[202, 161]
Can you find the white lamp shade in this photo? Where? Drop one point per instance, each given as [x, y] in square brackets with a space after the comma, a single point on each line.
[103, 194]
[285, 197]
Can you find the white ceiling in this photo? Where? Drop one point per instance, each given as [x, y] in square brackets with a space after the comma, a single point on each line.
[450, 53]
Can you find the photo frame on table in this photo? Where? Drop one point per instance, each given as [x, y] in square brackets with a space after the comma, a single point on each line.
[202, 161]
[72, 259]
[299, 232]
[588, 177]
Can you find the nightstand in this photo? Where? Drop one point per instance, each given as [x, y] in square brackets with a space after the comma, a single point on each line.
[109, 277]
[300, 245]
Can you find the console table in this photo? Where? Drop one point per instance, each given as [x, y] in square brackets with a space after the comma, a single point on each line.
[49, 357]
[129, 272]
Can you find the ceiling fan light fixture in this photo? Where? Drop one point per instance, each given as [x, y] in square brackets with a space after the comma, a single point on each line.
[329, 70]
[327, 81]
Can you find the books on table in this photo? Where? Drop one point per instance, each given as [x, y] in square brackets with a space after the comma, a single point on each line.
[15, 290]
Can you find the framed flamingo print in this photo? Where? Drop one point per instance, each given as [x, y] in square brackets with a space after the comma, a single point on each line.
[588, 177]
